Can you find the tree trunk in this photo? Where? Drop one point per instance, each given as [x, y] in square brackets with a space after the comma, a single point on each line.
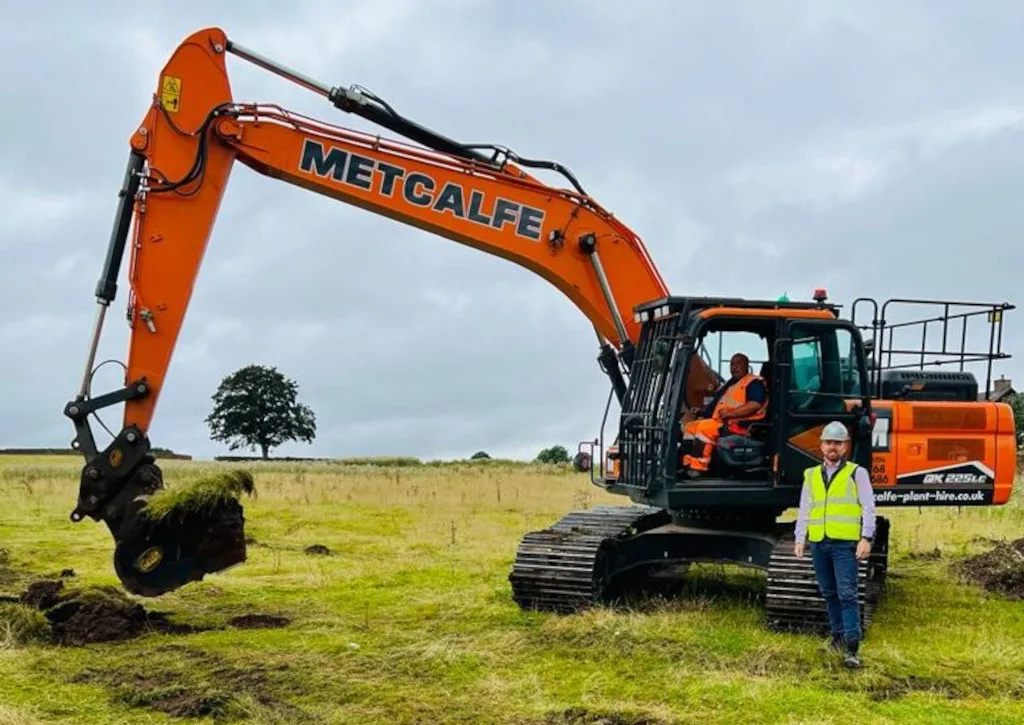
[264, 448]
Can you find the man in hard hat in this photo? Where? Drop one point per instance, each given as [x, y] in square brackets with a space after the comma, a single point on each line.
[742, 400]
[837, 516]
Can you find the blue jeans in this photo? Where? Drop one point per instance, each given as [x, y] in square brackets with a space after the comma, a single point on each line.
[835, 565]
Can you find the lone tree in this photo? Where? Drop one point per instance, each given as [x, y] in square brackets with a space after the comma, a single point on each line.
[256, 407]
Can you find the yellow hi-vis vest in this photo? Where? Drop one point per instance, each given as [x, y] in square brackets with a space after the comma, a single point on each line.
[835, 513]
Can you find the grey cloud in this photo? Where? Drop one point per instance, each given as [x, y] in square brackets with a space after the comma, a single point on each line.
[757, 148]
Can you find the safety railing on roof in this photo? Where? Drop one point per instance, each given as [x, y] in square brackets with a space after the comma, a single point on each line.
[906, 344]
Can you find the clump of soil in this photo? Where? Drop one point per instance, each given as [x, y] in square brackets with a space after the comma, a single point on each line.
[317, 550]
[101, 614]
[42, 594]
[92, 614]
[999, 570]
[258, 621]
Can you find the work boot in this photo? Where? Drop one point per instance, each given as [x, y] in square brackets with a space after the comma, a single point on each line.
[851, 660]
[697, 466]
[835, 644]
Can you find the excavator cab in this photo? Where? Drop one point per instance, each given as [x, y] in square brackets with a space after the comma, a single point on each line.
[813, 367]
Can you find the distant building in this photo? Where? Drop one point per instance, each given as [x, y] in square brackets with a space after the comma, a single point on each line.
[1001, 390]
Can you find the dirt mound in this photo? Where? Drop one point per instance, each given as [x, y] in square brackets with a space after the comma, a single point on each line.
[258, 621]
[94, 614]
[42, 594]
[999, 570]
[317, 550]
[101, 614]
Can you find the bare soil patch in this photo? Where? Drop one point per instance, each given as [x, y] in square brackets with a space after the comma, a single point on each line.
[187, 682]
[259, 621]
[999, 570]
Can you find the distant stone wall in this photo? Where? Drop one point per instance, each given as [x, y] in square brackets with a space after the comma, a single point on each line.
[158, 452]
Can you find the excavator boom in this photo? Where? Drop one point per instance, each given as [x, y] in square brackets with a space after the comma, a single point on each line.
[181, 158]
[189, 140]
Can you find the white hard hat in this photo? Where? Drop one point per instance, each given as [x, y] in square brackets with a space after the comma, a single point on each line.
[835, 431]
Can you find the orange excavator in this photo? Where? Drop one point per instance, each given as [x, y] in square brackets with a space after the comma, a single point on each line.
[927, 437]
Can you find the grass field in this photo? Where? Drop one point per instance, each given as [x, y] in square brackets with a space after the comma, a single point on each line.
[410, 619]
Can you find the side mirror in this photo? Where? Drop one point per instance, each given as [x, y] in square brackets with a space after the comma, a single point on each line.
[582, 462]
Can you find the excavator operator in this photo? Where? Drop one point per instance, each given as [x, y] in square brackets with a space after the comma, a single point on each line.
[742, 400]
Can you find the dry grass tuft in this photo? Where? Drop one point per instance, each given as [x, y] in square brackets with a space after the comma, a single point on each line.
[202, 494]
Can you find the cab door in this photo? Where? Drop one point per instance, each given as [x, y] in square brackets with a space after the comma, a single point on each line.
[822, 378]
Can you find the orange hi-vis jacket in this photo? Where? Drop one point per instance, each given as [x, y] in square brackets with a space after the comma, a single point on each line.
[736, 396]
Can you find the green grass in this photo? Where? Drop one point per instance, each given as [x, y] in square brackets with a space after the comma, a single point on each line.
[410, 618]
[202, 494]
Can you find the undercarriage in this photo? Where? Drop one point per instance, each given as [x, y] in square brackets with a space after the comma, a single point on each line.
[603, 555]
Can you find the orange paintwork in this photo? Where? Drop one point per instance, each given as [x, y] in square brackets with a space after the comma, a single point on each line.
[808, 314]
[173, 227]
[925, 435]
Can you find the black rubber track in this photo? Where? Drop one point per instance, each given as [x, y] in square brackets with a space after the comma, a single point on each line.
[793, 602]
[569, 565]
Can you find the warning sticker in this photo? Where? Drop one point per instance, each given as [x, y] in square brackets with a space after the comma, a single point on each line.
[170, 93]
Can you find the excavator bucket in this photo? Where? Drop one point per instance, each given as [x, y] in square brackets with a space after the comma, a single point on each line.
[168, 538]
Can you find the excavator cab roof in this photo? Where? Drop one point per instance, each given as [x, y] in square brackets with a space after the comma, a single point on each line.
[712, 306]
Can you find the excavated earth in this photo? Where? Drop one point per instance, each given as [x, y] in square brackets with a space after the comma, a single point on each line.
[79, 616]
[999, 570]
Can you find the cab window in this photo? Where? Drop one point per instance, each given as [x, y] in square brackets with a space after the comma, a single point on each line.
[825, 370]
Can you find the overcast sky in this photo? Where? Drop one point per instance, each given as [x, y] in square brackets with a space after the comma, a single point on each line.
[758, 148]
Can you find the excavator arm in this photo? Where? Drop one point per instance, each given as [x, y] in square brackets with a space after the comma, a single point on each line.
[180, 160]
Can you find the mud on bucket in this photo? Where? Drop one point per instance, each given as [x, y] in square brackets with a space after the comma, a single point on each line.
[178, 536]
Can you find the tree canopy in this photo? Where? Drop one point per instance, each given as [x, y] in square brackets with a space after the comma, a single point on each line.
[256, 407]
[554, 454]
[1016, 402]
